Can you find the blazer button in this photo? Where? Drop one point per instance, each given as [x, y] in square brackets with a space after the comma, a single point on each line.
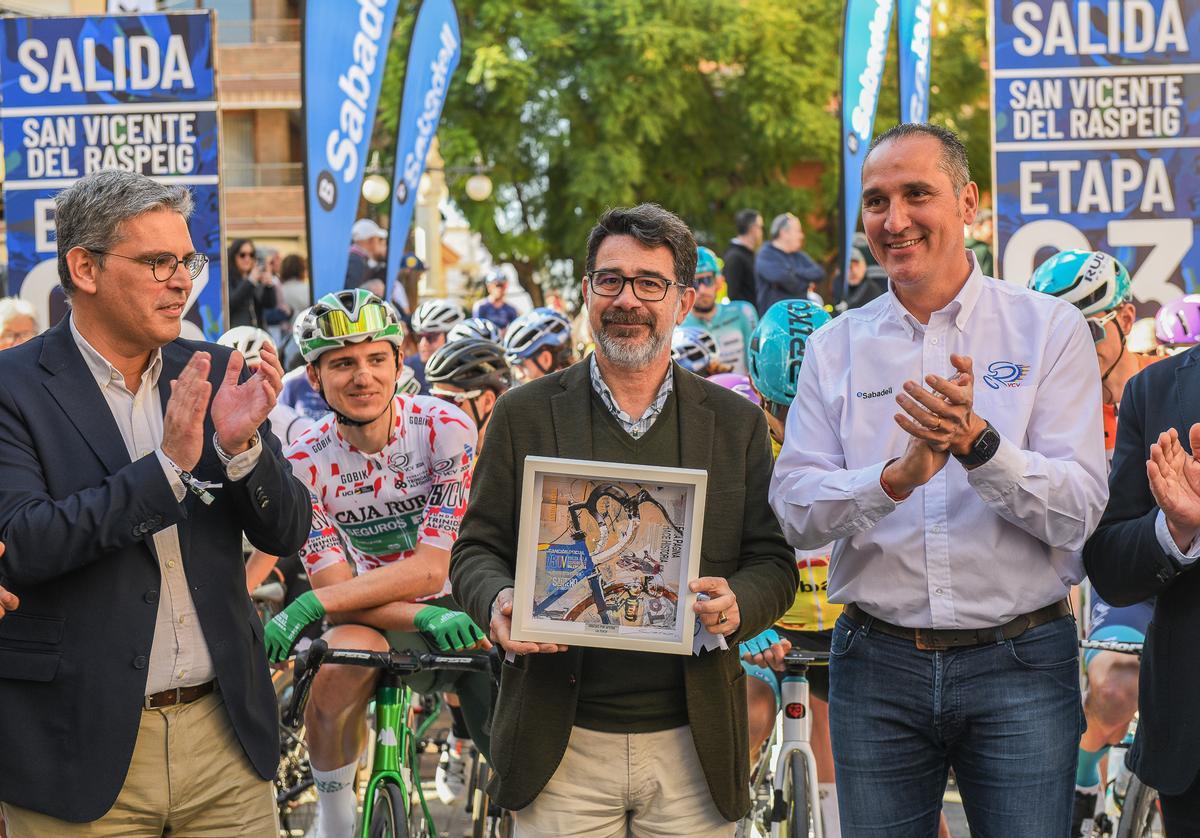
[139, 662]
[151, 597]
[571, 680]
[138, 531]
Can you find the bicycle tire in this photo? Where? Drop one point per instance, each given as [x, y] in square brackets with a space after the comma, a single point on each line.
[1140, 811]
[295, 791]
[389, 815]
[480, 774]
[799, 813]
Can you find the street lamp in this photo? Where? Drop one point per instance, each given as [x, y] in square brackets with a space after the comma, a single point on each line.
[375, 189]
[479, 187]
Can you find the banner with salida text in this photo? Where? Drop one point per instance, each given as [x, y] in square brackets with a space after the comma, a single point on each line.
[82, 94]
[1096, 137]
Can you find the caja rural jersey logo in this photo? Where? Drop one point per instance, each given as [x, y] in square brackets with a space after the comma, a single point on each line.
[1005, 374]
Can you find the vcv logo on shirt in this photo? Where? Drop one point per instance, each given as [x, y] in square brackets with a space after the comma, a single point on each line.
[1005, 374]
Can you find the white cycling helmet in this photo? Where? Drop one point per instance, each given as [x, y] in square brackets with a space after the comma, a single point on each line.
[407, 384]
[437, 316]
[248, 340]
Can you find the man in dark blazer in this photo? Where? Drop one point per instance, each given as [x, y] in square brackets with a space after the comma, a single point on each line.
[1146, 547]
[659, 739]
[135, 693]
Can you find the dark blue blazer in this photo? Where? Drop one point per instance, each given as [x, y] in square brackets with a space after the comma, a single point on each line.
[1127, 565]
[77, 518]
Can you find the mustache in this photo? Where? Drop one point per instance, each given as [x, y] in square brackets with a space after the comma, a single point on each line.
[627, 318]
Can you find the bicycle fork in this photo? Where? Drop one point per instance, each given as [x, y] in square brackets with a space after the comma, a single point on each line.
[393, 738]
[796, 721]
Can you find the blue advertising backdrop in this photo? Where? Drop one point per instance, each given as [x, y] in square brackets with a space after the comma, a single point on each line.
[914, 24]
[345, 49]
[434, 54]
[1096, 137]
[81, 94]
[864, 50]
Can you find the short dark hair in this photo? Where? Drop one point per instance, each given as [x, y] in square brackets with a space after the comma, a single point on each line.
[744, 220]
[954, 154]
[292, 267]
[653, 226]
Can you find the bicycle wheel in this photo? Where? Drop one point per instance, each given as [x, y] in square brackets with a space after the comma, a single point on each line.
[388, 814]
[295, 792]
[799, 813]
[1140, 816]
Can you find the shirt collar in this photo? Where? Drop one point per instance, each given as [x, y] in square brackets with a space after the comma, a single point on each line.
[104, 372]
[959, 309]
[628, 422]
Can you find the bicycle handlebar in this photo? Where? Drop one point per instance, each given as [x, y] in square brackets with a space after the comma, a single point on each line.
[1120, 646]
[401, 663]
[805, 656]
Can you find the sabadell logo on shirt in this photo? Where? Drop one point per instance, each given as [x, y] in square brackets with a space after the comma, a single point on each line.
[873, 394]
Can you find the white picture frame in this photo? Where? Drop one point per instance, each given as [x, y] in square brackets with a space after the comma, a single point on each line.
[627, 534]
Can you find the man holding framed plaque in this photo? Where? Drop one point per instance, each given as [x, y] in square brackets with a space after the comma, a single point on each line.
[598, 741]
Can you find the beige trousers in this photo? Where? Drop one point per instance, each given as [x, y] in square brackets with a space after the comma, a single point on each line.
[612, 785]
[188, 777]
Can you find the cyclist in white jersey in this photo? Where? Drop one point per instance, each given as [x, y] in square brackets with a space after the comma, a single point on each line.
[389, 476]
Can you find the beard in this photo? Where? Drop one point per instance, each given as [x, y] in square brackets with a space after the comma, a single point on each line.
[630, 353]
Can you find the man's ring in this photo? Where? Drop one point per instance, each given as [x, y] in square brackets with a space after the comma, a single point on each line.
[938, 425]
[721, 618]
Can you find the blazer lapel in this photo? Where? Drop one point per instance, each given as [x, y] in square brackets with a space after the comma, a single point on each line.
[572, 413]
[696, 421]
[1187, 392]
[74, 388]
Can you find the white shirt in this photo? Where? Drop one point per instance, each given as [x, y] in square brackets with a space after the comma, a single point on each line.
[968, 549]
[179, 655]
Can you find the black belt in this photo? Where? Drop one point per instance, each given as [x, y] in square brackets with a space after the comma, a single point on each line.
[938, 639]
[181, 695]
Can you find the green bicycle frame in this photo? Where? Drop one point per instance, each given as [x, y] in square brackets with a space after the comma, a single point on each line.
[396, 759]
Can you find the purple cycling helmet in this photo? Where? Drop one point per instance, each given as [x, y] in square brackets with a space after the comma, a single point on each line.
[737, 383]
[1178, 322]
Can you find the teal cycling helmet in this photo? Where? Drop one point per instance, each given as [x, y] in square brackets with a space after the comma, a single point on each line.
[777, 347]
[707, 262]
[1092, 281]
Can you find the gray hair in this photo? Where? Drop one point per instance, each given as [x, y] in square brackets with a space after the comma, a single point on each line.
[780, 222]
[12, 307]
[653, 226]
[954, 154]
[89, 213]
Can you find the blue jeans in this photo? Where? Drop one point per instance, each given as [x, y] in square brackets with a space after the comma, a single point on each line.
[1006, 717]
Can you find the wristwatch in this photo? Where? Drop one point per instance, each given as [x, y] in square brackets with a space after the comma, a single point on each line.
[982, 449]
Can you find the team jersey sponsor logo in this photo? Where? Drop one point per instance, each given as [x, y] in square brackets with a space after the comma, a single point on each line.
[873, 394]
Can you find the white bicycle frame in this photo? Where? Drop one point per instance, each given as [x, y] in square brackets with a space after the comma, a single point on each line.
[793, 734]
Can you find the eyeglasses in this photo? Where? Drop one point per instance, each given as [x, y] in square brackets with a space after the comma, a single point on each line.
[164, 265]
[429, 336]
[335, 323]
[245, 254]
[706, 280]
[648, 289]
[456, 396]
[1096, 325]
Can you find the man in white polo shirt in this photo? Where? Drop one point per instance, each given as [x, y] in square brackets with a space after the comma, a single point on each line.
[948, 437]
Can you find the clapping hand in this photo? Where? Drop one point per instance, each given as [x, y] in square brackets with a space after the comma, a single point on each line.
[1174, 476]
[238, 409]
[8, 600]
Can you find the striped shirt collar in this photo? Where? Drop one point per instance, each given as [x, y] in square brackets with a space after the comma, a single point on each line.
[636, 428]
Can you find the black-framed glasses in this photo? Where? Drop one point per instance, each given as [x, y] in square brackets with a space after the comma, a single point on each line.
[648, 289]
[164, 265]
[1096, 325]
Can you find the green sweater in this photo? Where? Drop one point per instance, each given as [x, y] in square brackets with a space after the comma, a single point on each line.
[632, 692]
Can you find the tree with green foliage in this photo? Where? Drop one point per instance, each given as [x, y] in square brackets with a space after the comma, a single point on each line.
[704, 107]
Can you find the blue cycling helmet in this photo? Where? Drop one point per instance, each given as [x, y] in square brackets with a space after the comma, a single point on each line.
[474, 327]
[542, 328]
[690, 351]
[707, 262]
[1092, 281]
[777, 347]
